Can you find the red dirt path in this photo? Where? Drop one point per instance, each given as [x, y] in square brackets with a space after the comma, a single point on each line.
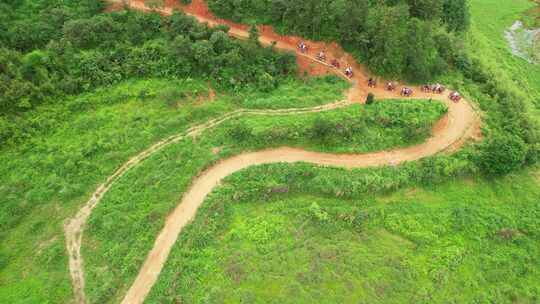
[449, 133]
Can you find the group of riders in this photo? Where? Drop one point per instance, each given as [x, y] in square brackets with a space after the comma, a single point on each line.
[321, 56]
[390, 86]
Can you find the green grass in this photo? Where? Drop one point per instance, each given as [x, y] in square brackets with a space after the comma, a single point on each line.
[64, 150]
[355, 129]
[490, 18]
[123, 227]
[472, 240]
[291, 95]
[440, 241]
[531, 18]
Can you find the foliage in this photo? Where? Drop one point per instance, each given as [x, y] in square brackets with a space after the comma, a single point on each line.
[373, 31]
[503, 154]
[66, 148]
[105, 49]
[384, 125]
[148, 192]
[421, 244]
[62, 145]
[456, 14]
[370, 98]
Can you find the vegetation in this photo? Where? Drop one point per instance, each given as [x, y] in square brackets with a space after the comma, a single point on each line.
[503, 93]
[387, 124]
[82, 91]
[377, 35]
[394, 38]
[104, 49]
[491, 19]
[131, 214]
[464, 241]
[70, 146]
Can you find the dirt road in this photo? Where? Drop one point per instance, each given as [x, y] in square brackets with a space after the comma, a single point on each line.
[459, 124]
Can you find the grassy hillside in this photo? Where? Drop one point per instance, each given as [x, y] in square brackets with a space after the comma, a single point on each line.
[81, 92]
[67, 148]
[471, 240]
[490, 18]
[124, 226]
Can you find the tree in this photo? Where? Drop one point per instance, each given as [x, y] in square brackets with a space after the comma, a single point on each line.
[422, 55]
[456, 15]
[350, 28]
[221, 43]
[254, 34]
[502, 153]
[321, 128]
[370, 98]
[387, 30]
[426, 9]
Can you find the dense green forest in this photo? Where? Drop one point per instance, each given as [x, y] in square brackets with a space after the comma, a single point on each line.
[395, 38]
[79, 49]
[416, 40]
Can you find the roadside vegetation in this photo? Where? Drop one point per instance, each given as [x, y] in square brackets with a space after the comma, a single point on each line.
[408, 39]
[491, 19]
[82, 91]
[74, 144]
[375, 32]
[131, 214]
[92, 51]
[472, 240]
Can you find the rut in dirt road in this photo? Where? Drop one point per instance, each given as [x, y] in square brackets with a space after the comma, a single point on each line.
[458, 125]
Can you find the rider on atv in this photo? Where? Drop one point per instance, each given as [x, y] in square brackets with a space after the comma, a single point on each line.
[455, 96]
[349, 72]
[321, 56]
[407, 92]
[302, 46]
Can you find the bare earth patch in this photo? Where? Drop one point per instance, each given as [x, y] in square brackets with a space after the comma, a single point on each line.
[524, 43]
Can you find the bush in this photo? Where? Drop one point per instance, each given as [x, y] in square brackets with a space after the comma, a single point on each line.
[370, 98]
[240, 132]
[503, 153]
[321, 129]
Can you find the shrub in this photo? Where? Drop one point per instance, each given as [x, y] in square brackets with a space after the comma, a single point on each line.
[321, 129]
[503, 153]
[240, 132]
[370, 98]
[317, 213]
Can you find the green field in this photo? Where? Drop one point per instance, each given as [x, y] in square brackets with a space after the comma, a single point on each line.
[490, 18]
[128, 219]
[82, 91]
[472, 240]
[71, 147]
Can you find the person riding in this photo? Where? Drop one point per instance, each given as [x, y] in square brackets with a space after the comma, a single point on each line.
[455, 96]
[349, 71]
[321, 56]
[371, 82]
[302, 46]
[335, 63]
[390, 86]
[406, 91]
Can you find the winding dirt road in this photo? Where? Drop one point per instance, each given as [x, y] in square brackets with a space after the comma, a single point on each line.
[459, 124]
